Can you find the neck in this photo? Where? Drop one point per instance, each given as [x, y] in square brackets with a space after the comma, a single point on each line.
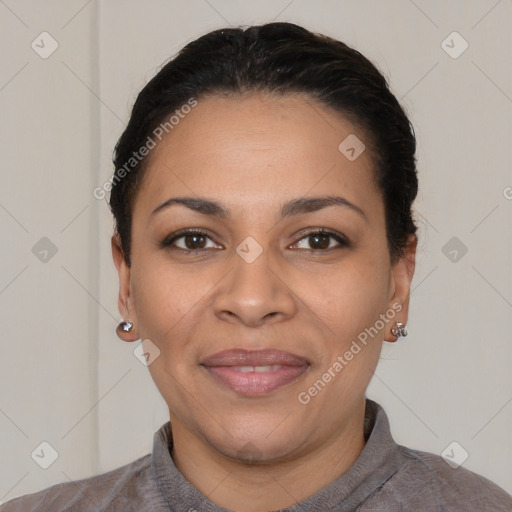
[243, 487]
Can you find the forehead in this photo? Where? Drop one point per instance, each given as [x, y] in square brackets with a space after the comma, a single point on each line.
[257, 149]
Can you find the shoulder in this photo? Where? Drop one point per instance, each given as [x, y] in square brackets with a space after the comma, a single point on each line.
[428, 478]
[119, 489]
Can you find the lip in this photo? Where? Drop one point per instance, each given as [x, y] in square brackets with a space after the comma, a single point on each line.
[255, 372]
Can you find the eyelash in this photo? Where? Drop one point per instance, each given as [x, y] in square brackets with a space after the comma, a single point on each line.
[343, 242]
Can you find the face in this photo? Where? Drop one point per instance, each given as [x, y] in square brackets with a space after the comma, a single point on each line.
[256, 311]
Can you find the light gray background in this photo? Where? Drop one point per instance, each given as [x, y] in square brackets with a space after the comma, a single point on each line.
[65, 377]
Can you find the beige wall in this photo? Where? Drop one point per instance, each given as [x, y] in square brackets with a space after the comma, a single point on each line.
[67, 380]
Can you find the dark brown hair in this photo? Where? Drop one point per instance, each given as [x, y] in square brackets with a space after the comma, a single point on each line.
[276, 58]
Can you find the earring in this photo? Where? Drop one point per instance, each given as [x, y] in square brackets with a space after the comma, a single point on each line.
[123, 328]
[400, 330]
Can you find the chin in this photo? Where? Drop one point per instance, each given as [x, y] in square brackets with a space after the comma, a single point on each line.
[255, 446]
[257, 454]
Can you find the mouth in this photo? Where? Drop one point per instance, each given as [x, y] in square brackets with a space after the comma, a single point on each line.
[255, 372]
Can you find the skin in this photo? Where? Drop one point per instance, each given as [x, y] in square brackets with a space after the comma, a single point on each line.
[252, 154]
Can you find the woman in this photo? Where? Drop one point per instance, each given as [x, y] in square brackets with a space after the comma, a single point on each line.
[265, 249]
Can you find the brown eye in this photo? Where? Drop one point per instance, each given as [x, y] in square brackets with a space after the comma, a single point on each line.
[194, 241]
[189, 241]
[321, 240]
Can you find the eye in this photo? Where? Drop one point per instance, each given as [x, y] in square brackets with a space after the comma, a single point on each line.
[189, 240]
[320, 240]
[195, 240]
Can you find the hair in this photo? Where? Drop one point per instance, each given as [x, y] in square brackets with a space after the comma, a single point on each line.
[276, 58]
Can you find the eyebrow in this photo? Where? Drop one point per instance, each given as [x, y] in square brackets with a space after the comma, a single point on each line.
[289, 209]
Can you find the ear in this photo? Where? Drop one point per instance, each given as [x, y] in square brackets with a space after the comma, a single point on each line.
[402, 273]
[125, 300]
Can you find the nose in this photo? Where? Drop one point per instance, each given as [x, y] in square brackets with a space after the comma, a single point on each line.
[255, 293]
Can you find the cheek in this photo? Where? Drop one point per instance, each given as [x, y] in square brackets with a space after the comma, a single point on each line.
[169, 300]
[166, 302]
[160, 297]
[347, 297]
[348, 304]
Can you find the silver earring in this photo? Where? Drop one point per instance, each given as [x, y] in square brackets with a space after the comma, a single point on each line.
[400, 330]
[125, 326]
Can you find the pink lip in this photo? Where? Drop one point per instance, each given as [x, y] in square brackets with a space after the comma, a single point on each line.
[230, 368]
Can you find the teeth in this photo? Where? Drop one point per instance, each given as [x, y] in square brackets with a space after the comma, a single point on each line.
[257, 369]
[262, 369]
[244, 369]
